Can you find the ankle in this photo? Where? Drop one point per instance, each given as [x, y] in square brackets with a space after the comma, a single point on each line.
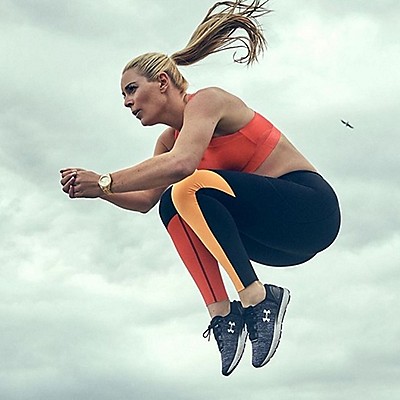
[253, 294]
[219, 308]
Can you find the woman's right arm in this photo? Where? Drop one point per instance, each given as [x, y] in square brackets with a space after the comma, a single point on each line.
[144, 200]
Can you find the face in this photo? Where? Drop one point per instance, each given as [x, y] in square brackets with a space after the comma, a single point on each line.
[144, 98]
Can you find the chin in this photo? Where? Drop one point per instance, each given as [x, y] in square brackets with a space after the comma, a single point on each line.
[148, 123]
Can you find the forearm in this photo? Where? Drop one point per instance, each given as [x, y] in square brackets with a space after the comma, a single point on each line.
[152, 176]
[156, 172]
[140, 201]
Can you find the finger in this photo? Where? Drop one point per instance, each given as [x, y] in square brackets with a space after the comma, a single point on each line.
[70, 183]
[67, 178]
[65, 170]
[69, 173]
[71, 192]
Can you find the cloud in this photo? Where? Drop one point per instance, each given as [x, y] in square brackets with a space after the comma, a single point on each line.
[95, 301]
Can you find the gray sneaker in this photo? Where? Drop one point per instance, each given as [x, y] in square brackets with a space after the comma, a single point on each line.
[264, 323]
[230, 334]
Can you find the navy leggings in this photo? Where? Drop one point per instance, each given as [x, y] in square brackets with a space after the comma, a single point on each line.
[230, 218]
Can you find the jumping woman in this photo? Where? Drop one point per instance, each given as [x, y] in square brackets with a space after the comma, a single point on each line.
[231, 186]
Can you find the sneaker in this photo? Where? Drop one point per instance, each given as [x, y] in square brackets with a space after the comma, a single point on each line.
[264, 323]
[230, 334]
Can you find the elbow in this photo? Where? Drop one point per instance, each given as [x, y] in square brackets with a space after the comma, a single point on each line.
[183, 168]
[147, 206]
[144, 208]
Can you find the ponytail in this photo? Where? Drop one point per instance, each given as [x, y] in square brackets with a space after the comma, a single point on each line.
[214, 34]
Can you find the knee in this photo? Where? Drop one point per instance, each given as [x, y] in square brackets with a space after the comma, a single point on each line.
[183, 190]
[186, 189]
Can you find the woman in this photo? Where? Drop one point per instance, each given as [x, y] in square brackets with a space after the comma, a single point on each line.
[232, 187]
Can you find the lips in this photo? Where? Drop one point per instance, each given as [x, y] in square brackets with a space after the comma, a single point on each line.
[136, 113]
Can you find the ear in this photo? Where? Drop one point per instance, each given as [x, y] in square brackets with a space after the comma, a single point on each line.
[164, 81]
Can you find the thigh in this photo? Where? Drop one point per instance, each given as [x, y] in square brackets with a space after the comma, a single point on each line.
[281, 213]
[273, 257]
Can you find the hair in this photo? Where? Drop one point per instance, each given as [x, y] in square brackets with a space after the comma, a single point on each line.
[215, 33]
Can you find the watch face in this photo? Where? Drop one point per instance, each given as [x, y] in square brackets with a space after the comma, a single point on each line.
[105, 180]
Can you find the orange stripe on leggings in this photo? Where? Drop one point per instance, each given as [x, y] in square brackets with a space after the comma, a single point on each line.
[184, 198]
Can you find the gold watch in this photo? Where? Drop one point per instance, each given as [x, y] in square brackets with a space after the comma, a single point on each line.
[105, 182]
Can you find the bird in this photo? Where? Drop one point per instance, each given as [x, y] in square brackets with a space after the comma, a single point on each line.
[346, 123]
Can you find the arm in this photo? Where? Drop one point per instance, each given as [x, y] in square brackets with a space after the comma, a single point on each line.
[141, 201]
[201, 116]
[144, 200]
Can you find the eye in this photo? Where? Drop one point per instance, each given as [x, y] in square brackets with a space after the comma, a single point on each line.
[130, 88]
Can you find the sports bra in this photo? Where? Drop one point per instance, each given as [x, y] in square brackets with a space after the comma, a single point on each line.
[244, 150]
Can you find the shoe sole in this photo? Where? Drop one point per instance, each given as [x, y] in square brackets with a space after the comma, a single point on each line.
[239, 352]
[278, 327]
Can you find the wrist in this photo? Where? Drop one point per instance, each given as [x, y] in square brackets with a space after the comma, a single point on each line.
[105, 182]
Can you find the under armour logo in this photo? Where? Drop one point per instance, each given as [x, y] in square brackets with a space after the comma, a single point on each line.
[266, 315]
[231, 325]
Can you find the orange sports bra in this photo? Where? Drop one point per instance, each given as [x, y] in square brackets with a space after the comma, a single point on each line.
[244, 150]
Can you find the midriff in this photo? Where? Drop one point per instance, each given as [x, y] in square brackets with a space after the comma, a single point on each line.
[284, 158]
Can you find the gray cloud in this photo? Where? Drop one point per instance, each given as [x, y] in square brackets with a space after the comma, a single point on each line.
[95, 301]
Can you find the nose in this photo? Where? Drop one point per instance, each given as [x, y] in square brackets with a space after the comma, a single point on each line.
[128, 102]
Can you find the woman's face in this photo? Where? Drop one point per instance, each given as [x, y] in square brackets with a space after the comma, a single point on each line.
[142, 97]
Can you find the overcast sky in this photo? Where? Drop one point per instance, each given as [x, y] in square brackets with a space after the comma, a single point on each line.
[95, 303]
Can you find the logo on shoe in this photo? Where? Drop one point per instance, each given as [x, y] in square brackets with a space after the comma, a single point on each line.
[266, 315]
[231, 325]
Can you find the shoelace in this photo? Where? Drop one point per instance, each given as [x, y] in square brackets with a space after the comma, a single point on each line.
[217, 329]
[214, 325]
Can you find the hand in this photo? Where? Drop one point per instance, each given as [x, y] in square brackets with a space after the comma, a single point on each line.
[80, 183]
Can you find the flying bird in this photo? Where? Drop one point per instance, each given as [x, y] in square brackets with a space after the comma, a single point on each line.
[346, 123]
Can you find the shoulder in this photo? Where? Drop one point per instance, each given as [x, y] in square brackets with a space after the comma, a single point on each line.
[210, 101]
[166, 140]
[217, 97]
[227, 111]
[214, 94]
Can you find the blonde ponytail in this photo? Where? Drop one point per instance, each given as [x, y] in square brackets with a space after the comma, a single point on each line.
[214, 34]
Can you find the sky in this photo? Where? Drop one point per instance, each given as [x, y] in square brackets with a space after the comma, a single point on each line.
[95, 302]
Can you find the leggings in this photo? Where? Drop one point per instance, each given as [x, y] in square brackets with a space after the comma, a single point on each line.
[230, 218]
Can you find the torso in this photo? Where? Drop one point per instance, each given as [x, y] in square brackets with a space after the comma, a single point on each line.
[283, 159]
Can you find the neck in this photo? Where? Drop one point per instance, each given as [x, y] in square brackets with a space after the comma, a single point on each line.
[175, 106]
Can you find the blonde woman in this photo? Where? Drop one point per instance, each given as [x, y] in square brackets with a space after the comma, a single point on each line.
[233, 189]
